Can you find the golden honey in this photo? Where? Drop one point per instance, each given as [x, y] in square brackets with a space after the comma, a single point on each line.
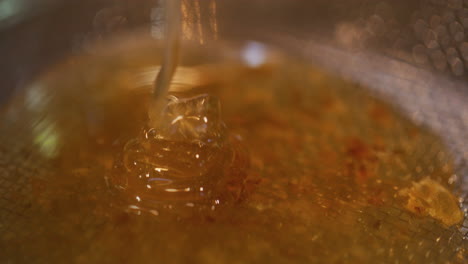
[273, 163]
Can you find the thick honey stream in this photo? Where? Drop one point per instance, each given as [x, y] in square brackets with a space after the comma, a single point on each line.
[278, 163]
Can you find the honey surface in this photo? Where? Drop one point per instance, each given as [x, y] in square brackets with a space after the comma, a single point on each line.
[280, 163]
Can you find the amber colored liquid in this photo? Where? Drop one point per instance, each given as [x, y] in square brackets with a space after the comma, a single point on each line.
[295, 166]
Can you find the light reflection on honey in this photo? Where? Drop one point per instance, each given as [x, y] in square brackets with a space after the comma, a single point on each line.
[187, 21]
[198, 16]
[199, 20]
[213, 19]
